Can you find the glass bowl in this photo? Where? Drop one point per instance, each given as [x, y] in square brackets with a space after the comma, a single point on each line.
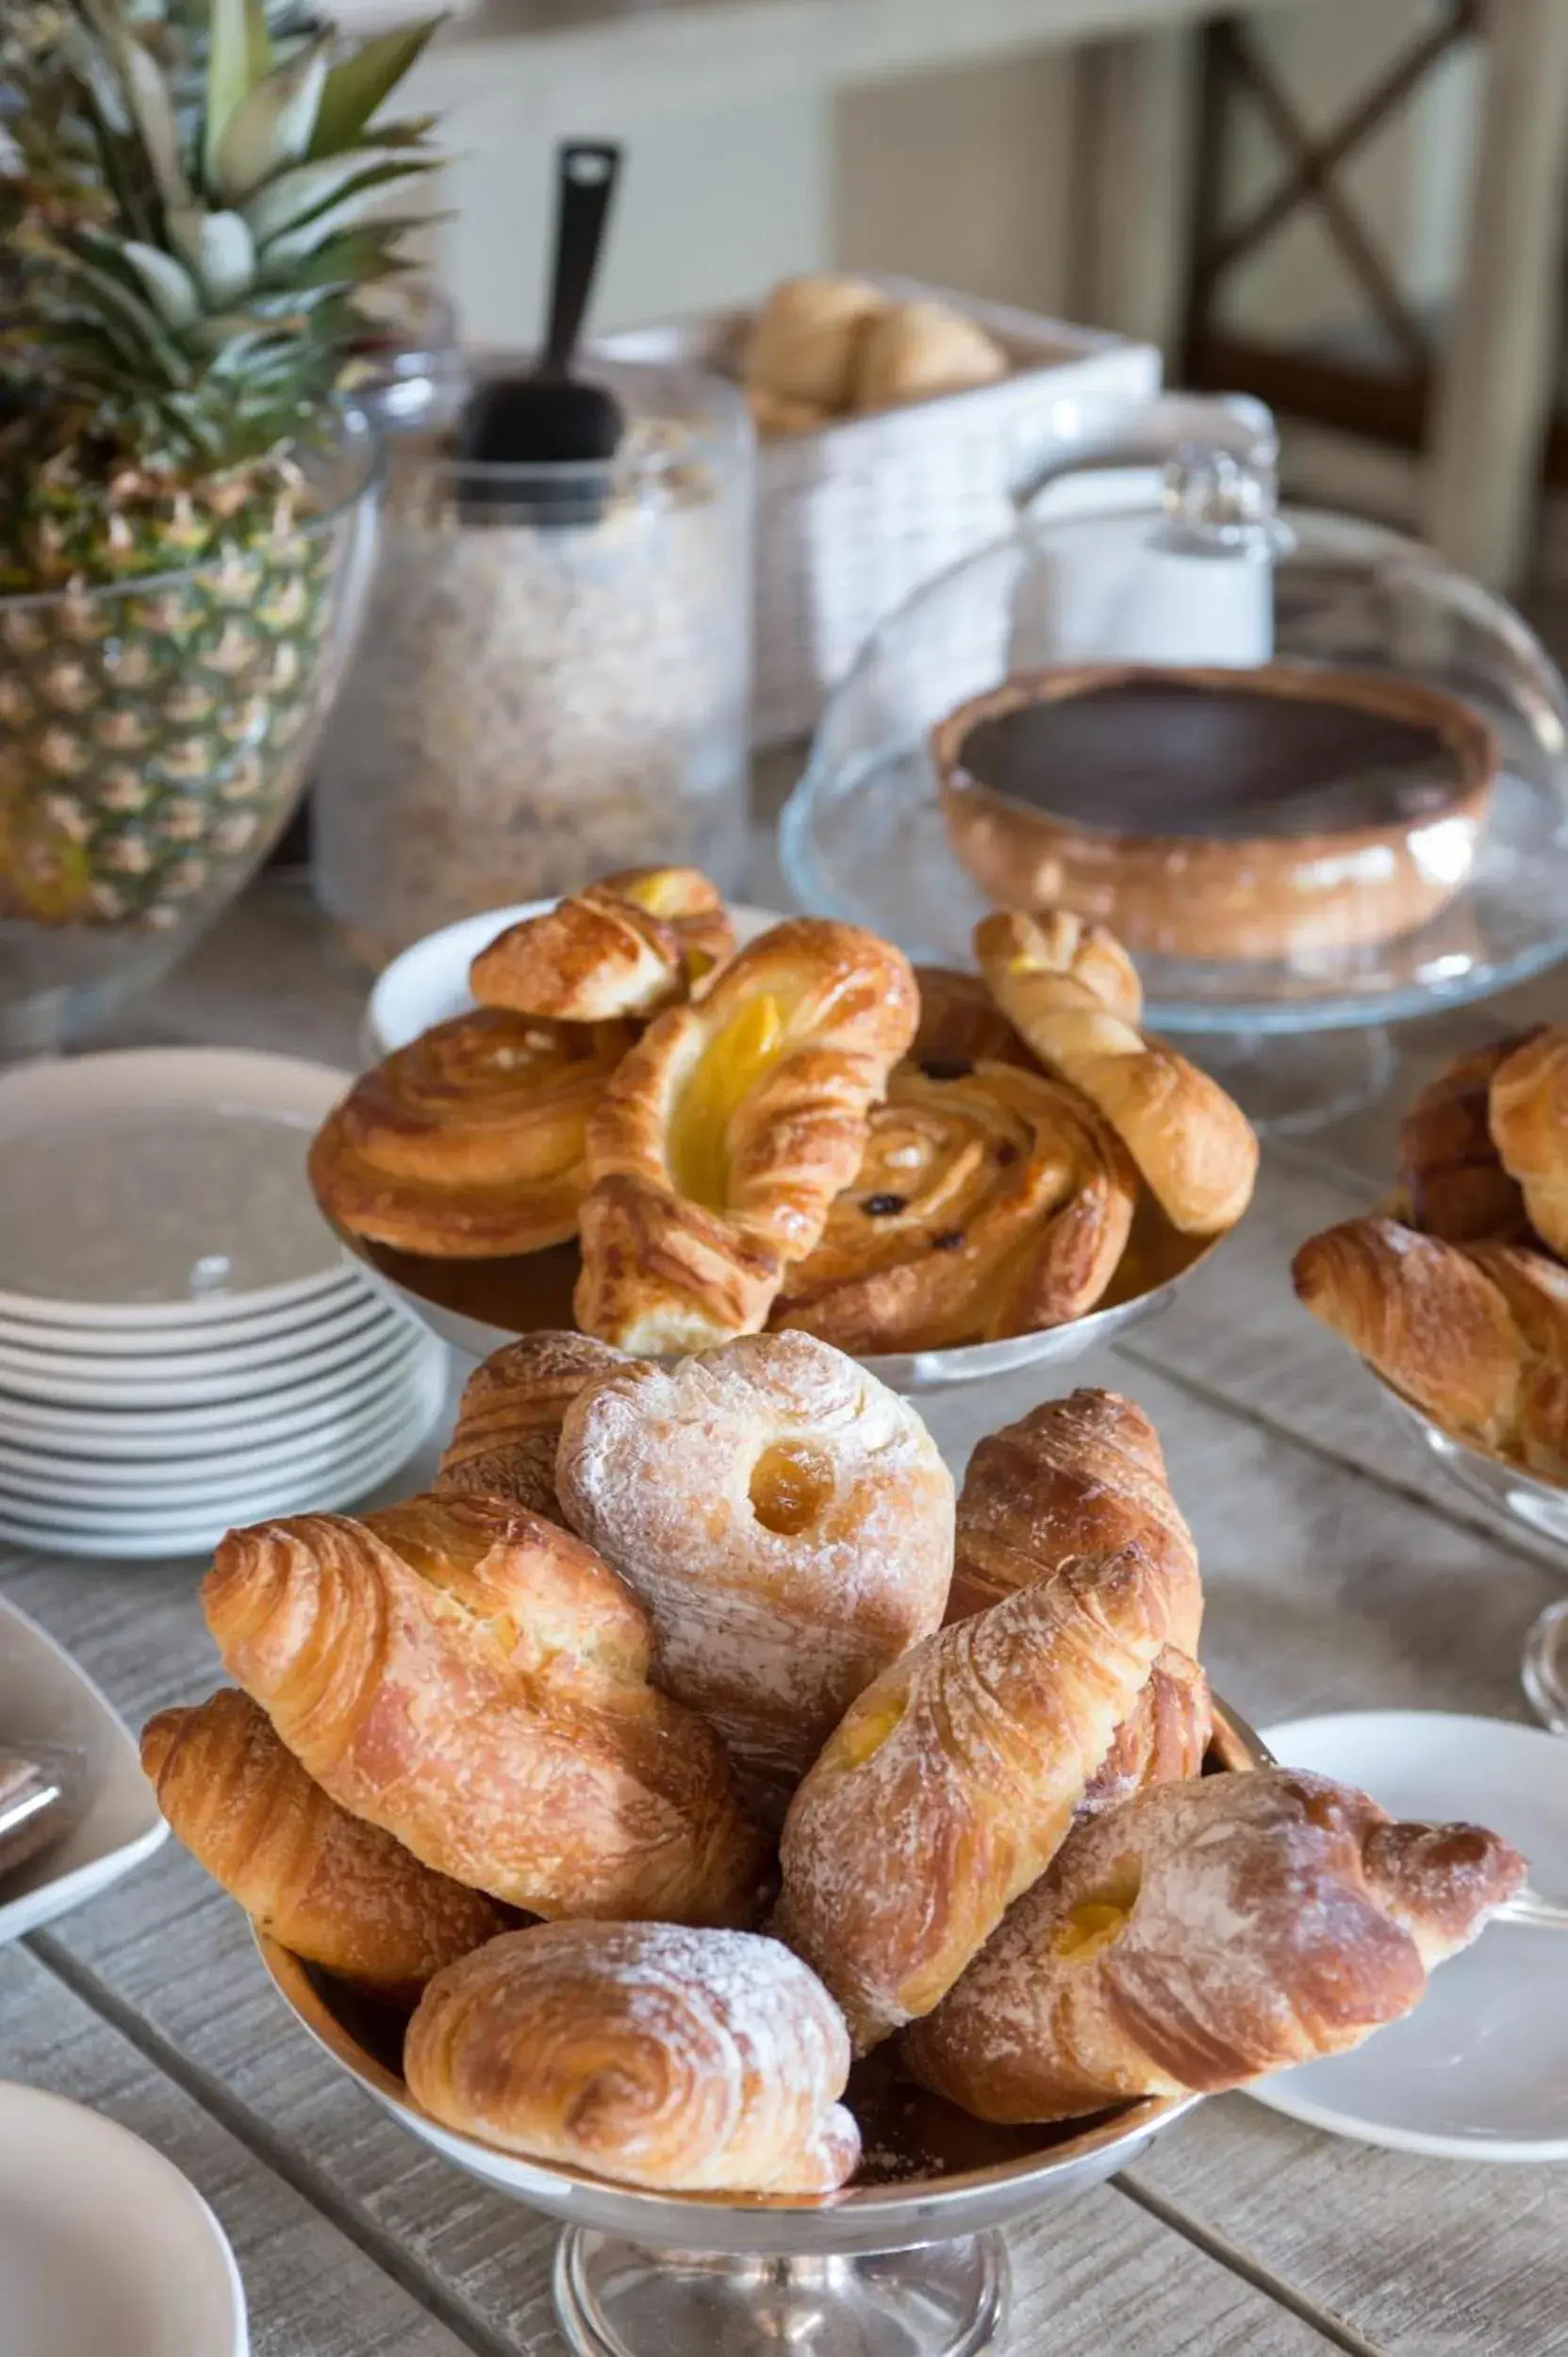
[154, 734]
[910, 2262]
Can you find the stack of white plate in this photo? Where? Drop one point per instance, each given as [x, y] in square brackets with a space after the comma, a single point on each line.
[183, 1347]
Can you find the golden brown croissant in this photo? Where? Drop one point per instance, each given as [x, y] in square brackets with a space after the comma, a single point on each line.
[1529, 1128]
[952, 1781]
[1196, 1148]
[1476, 1338]
[1202, 1934]
[804, 341]
[509, 1419]
[785, 1519]
[1077, 1475]
[469, 1143]
[1452, 1182]
[627, 946]
[990, 1203]
[961, 1025]
[1164, 1738]
[337, 1892]
[475, 1681]
[683, 2061]
[726, 1132]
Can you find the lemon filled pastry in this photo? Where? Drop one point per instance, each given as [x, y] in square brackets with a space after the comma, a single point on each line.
[1011, 1855]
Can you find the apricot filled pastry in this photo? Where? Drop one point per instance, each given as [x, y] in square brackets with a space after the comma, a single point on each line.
[722, 1138]
[680, 2061]
[785, 1519]
[339, 1892]
[950, 1782]
[1475, 1336]
[991, 1203]
[1529, 1128]
[1202, 1934]
[469, 1143]
[475, 1681]
[626, 946]
[1067, 987]
[1074, 1476]
[509, 1419]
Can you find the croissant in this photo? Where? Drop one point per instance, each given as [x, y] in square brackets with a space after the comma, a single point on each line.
[1164, 1738]
[727, 1130]
[987, 1205]
[1194, 1147]
[469, 1143]
[803, 343]
[509, 1419]
[1452, 1182]
[911, 351]
[475, 1681]
[785, 1519]
[961, 1025]
[951, 1782]
[1529, 1128]
[683, 2061]
[1077, 1475]
[625, 946]
[1201, 1936]
[339, 1892]
[1476, 1338]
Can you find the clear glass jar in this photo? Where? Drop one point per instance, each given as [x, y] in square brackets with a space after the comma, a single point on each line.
[554, 674]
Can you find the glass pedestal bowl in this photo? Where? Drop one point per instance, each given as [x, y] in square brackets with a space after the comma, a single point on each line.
[907, 2262]
[1187, 569]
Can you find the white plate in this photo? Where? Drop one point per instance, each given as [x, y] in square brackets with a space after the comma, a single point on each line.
[334, 1298]
[1479, 2070]
[206, 1378]
[135, 1536]
[429, 981]
[99, 1429]
[106, 2251]
[175, 1131]
[44, 1698]
[60, 1496]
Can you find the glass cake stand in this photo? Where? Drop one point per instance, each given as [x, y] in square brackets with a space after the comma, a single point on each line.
[1185, 562]
[907, 2262]
[1542, 1509]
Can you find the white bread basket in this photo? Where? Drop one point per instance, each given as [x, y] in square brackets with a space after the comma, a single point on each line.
[852, 519]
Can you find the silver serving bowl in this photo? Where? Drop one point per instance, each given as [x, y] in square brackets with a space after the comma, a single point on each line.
[907, 2262]
[1508, 1489]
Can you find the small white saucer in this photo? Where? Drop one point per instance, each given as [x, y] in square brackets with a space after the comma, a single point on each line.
[1479, 2070]
[103, 2246]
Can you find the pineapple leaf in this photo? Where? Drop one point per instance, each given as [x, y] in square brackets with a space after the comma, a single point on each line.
[147, 100]
[281, 252]
[219, 249]
[169, 286]
[239, 57]
[303, 190]
[107, 303]
[358, 83]
[273, 126]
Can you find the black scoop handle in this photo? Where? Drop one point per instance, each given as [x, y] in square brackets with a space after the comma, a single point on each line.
[585, 174]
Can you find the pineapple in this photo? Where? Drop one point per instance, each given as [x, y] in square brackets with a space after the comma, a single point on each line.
[192, 201]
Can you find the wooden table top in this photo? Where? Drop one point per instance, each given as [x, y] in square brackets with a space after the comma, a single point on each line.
[1341, 1572]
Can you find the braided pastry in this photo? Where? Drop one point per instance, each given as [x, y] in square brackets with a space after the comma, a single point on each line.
[469, 1143]
[727, 1130]
[1064, 984]
[785, 1519]
[1529, 1128]
[335, 1890]
[952, 1781]
[682, 2060]
[991, 1203]
[509, 1419]
[629, 945]
[1476, 1336]
[1201, 1936]
[476, 1682]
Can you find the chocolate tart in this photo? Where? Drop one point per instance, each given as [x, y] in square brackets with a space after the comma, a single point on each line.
[1218, 814]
